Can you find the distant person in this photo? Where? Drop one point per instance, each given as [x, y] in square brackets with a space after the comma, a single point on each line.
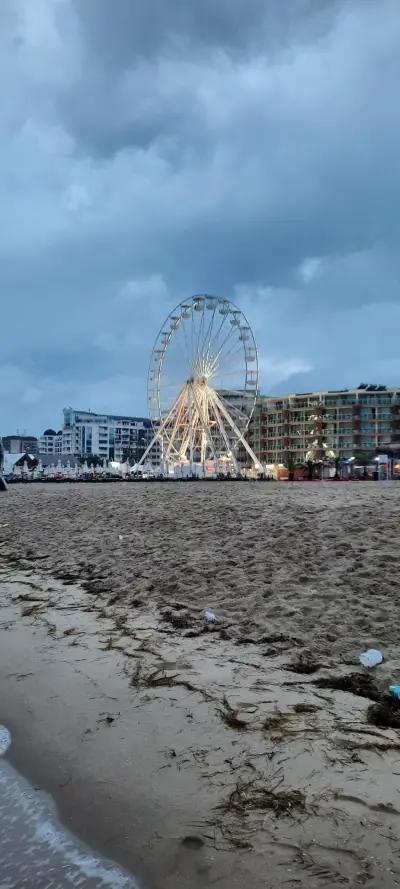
[3, 486]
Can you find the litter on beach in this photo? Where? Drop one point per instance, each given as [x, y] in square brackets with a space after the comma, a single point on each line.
[210, 617]
[371, 658]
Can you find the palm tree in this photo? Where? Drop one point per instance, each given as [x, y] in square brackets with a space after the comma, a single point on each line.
[338, 466]
[310, 464]
[364, 459]
[290, 462]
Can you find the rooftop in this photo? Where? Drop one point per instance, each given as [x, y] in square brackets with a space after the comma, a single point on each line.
[105, 416]
[373, 388]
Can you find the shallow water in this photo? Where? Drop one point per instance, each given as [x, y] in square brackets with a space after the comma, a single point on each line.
[36, 850]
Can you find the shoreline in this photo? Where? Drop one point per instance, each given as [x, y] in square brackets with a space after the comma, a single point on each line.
[50, 854]
[100, 773]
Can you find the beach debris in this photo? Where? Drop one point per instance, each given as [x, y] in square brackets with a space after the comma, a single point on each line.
[394, 690]
[210, 617]
[180, 620]
[305, 708]
[278, 723]
[120, 621]
[108, 718]
[248, 796]
[120, 536]
[356, 683]
[160, 679]
[385, 713]
[371, 657]
[304, 664]
[229, 716]
[192, 842]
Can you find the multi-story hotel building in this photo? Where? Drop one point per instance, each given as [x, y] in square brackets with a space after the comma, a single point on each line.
[109, 436]
[50, 443]
[348, 421]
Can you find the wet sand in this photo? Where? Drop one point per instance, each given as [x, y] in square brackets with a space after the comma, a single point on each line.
[36, 850]
[195, 754]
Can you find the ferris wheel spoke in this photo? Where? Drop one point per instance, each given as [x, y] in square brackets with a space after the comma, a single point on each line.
[184, 352]
[168, 390]
[232, 362]
[199, 335]
[207, 338]
[218, 334]
[226, 373]
[236, 346]
[225, 341]
[232, 373]
[224, 353]
[186, 344]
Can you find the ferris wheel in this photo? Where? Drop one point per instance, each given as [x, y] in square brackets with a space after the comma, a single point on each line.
[202, 383]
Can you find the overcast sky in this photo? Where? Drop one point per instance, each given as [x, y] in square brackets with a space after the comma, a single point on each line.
[151, 150]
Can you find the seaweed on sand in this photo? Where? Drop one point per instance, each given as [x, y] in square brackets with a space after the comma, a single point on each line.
[230, 716]
[120, 621]
[160, 679]
[277, 722]
[305, 708]
[237, 835]
[156, 679]
[385, 713]
[360, 684]
[303, 665]
[180, 621]
[249, 796]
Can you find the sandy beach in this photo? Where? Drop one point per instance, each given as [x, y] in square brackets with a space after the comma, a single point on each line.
[249, 751]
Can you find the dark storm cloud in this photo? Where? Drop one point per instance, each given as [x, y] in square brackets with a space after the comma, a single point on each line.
[151, 150]
[128, 38]
[127, 30]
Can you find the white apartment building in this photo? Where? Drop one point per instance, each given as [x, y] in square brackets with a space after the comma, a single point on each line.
[51, 443]
[109, 436]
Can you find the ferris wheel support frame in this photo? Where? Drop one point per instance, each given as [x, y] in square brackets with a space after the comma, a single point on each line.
[237, 432]
[189, 398]
[206, 434]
